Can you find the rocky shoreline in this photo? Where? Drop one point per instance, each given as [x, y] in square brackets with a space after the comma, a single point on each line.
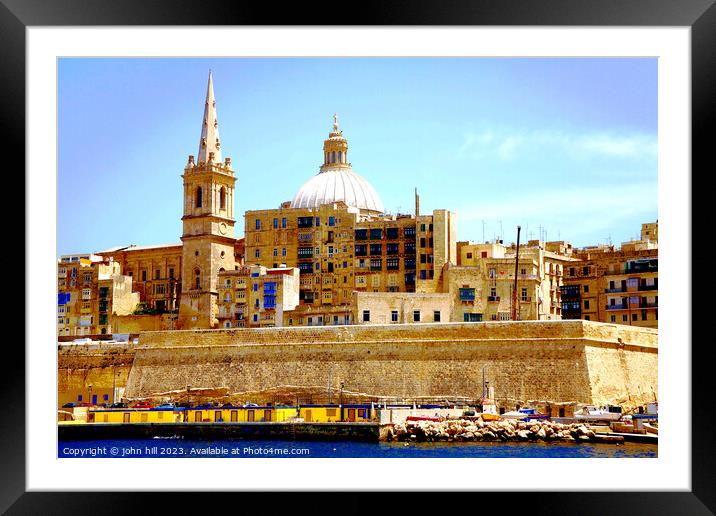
[469, 430]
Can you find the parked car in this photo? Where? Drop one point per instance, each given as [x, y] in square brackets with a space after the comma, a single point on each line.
[69, 405]
[143, 404]
[166, 405]
[119, 405]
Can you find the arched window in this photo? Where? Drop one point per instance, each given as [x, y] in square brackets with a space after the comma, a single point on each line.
[222, 198]
[198, 197]
[340, 157]
[197, 279]
[333, 157]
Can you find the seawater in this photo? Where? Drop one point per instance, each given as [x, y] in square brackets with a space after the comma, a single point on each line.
[181, 448]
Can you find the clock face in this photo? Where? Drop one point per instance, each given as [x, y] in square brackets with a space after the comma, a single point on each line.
[222, 228]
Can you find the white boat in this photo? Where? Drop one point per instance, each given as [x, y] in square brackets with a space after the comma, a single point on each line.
[593, 413]
[514, 415]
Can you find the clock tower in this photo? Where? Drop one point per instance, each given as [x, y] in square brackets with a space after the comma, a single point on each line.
[208, 223]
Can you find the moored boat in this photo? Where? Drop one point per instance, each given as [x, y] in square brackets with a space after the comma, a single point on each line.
[593, 413]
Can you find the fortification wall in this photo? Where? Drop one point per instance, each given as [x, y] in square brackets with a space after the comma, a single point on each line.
[529, 360]
[101, 366]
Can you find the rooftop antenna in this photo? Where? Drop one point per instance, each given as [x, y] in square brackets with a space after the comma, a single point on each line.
[514, 292]
[483, 230]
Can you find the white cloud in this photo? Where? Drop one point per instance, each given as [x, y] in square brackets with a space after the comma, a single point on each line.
[508, 144]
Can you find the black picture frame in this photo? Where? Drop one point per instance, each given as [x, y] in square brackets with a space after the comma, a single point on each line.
[699, 15]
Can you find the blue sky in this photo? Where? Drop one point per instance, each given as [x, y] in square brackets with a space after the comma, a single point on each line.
[566, 144]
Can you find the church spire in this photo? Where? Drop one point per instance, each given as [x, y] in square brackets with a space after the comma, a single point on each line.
[209, 145]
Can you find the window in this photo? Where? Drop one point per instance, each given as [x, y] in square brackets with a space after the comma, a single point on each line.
[305, 222]
[198, 197]
[376, 249]
[409, 231]
[171, 273]
[275, 251]
[614, 318]
[157, 274]
[469, 256]
[634, 317]
[222, 198]
[586, 304]
[391, 233]
[331, 221]
[625, 318]
[318, 221]
[394, 316]
[416, 315]
[258, 223]
[366, 315]
[524, 294]
[422, 242]
[257, 253]
[144, 275]
[275, 223]
[467, 294]
[586, 317]
[392, 264]
[643, 315]
[436, 315]
[586, 288]
[376, 234]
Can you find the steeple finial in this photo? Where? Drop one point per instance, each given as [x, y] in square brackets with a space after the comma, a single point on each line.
[209, 143]
[335, 122]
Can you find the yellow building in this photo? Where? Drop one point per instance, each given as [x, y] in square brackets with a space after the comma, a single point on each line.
[256, 296]
[482, 284]
[155, 271]
[614, 285]
[91, 292]
[337, 413]
[239, 414]
[401, 307]
[154, 415]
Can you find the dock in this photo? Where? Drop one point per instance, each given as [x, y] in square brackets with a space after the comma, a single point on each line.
[345, 431]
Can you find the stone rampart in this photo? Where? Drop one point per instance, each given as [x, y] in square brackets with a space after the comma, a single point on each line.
[557, 361]
[89, 370]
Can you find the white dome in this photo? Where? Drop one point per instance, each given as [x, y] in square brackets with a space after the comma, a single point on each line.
[338, 184]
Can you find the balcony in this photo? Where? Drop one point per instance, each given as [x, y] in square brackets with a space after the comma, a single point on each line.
[493, 299]
[620, 306]
[648, 305]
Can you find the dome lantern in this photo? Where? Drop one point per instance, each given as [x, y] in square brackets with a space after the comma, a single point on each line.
[336, 180]
[335, 148]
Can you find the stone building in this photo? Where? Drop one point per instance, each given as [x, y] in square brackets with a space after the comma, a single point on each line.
[256, 296]
[614, 285]
[91, 292]
[401, 307]
[482, 284]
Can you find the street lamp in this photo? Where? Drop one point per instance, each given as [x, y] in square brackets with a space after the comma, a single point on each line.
[89, 397]
[341, 403]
